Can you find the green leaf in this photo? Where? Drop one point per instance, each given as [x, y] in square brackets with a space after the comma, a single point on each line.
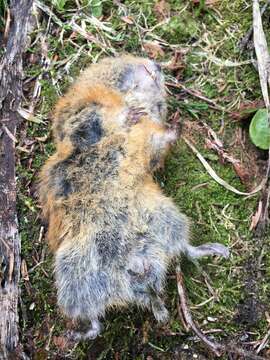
[59, 4]
[259, 129]
[96, 8]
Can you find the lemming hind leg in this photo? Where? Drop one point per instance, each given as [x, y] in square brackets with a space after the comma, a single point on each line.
[94, 331]
[206, 250]
[90, 334]
[146, 282]
[150, 300]
[159, 310]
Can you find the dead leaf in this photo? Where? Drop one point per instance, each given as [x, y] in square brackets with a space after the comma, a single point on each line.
[24, 270]
[153, 49]
[60, 342]
[162, 10]
[255, 218]
[128, 19]
[33, 59]
[176, 63]
[224, 156]
[246, 109]
[175, 119]
[213, 135]
[242, 172]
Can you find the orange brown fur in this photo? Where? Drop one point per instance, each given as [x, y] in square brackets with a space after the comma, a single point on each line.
[79, 97]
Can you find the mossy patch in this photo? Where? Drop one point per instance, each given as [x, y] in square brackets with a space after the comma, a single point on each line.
[181, 28]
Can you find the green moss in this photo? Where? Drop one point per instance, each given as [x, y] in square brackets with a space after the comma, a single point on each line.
[180, 29]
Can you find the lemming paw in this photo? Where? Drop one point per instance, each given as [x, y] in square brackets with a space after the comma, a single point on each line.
[134, 115]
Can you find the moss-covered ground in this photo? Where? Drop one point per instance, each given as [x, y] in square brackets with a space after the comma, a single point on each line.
[198, 44]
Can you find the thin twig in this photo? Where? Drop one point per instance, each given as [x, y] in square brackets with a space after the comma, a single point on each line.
[75, 27]
[213, 346]
[196, 94]
[264, 342]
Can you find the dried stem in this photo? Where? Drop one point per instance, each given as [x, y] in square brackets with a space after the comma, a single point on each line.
[216, 348]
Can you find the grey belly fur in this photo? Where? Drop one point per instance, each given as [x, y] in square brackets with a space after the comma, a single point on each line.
[87, 284]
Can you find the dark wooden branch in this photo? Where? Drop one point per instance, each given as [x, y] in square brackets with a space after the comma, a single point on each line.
[10, 97]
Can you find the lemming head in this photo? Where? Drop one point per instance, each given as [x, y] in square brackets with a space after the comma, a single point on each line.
[140, 80]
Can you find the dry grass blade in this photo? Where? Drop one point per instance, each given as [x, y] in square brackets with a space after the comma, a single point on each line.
[248, 35]
[214, 175]
[27, 115]
[100, 25]
[221, 62]
[261, 50]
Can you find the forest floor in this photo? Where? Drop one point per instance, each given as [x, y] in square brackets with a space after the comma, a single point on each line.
[213, 90]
